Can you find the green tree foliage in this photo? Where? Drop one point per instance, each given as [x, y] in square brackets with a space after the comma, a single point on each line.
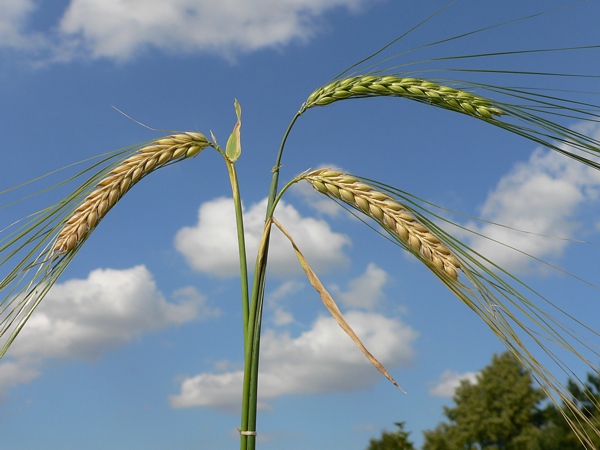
[397, 440]
[500, 411]
[557, 433]
[503, 411]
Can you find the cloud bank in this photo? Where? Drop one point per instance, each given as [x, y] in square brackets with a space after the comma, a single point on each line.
[81, 319]
[366, 291]
[211, 247]
[121, 29]
[543, 195]
[321, 359]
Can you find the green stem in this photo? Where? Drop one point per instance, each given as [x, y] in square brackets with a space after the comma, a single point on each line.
[275, 178]
[252, 346]
[252, 331]
[239, 219]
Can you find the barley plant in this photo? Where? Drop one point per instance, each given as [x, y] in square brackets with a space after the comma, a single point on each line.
[38, 248]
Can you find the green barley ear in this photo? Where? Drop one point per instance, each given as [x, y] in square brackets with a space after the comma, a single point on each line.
[525, 111]
[410, 88]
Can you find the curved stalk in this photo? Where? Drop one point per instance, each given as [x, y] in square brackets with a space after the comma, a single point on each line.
[276, 167]
[252, 330]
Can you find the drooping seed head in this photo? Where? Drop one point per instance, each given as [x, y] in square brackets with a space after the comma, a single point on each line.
[412, 88]
[114, 185]
[390, 214]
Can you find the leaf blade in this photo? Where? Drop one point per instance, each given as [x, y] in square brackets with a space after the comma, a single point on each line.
[333, 309]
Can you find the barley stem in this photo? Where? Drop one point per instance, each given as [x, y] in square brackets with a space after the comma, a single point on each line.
[252, 331]
[252, 344]
[239, 219]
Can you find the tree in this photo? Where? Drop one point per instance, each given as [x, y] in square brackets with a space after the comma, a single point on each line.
[397, 440]
[500, 411]
[557, 432]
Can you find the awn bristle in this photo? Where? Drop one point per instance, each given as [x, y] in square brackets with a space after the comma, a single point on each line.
[392, 215]
[111, 188]
[413, 88]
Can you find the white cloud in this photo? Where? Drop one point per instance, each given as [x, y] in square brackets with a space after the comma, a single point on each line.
[13, 20]
[190, 295]
[22, 371]
[118, 29]
[449, 381]
[211, 245]
[542, 195]
[84, 318]
[280, 316]
[365, 291]
[320, 360]
[284, 290]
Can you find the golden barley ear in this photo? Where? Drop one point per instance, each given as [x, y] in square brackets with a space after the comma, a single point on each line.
[110, 189]
[53, 236]
[390, 214]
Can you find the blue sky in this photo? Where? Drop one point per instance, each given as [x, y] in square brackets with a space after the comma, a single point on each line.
[139, 345]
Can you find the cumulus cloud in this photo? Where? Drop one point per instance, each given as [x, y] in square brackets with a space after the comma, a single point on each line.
[320, 360]
[211, 245]
[542, 195]
[13, 22]
[449, 381]
[84, 318]
[365, 291]
[120, 29]
[22, 371]
[274, 300]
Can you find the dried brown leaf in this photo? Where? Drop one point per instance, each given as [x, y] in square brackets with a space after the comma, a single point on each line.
[332, 307]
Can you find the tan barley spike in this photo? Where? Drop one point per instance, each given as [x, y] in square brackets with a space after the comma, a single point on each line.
[110, 189]
[412, 88]
[389, 213]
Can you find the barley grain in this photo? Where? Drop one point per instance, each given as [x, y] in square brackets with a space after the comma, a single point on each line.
[413, 88]
[389, 213]
[110, 189]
